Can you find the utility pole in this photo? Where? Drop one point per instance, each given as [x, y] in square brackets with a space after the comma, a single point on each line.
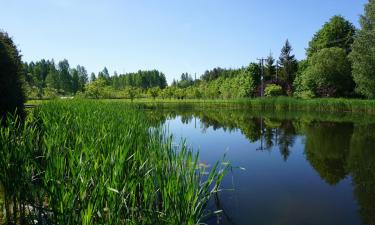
[277, 69]
[261, 62]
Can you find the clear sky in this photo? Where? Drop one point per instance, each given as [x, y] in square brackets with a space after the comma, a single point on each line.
[173, 36]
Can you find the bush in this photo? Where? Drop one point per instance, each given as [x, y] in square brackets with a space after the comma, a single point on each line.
[273, 90]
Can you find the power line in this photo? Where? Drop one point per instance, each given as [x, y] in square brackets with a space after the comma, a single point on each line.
[261, 62]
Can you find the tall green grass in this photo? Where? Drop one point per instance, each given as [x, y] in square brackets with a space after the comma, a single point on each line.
[87, 162]
[286, 104]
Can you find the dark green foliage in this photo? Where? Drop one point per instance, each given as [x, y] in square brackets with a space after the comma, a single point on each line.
[327, 149]
[288, 63]
[11, 93]
[338, 32]
[185, 81]
[92, 77]
[363, 54]
[329, 74]
[270, 69]
[140, 79]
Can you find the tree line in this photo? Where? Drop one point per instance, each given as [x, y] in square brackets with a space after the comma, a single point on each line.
[340, 62]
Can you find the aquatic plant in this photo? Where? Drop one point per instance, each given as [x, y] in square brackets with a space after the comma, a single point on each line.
[90, 162]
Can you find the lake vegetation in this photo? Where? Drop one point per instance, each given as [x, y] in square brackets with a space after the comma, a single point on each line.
[79, 162]
[94, 159]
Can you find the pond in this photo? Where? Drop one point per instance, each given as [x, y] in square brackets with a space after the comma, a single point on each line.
[288, 168]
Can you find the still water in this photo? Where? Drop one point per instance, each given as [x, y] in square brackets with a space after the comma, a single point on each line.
[286, 169]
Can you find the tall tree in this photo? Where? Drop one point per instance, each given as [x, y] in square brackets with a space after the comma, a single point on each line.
[52, 80]
[270, 67]
[104, 74]
[75, 81]
[337, 32]
[92, 77]
[82, 77]
[288, 63]
[11, 94]
[363, 54]
[64, 76]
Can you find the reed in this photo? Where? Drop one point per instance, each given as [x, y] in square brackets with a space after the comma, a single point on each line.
[90, 162]
[285, 104]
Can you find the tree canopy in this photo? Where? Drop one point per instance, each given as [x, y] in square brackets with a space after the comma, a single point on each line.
[363, 54]
[337, 32]
[11, 93]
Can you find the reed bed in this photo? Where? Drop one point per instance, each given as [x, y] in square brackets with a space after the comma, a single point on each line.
[90, 162]
[277, 104]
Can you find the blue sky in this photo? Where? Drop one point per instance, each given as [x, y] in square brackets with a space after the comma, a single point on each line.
[173, 36]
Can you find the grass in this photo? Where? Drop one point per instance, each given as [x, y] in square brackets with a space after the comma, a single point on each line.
[97, 162]
[286, 104]
[269, 104]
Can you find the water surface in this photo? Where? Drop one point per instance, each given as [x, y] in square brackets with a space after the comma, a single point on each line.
[298, 170]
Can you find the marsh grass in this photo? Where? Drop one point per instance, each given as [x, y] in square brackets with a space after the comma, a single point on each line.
[89, 162]
[273, 104]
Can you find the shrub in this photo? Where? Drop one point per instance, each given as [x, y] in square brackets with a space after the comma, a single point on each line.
[273, 90]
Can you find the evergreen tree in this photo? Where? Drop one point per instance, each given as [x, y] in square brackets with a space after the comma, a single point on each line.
[65, 78]
[11, 94]
[92, 77]
[288, 63]
[270, 69]
[82, 77]
[75, 81]
[52, 80]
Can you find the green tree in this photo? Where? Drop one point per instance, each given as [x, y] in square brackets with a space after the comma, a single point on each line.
[82, 77]
[75, 81]
[329, 73]
[288, 63]
[52, 80]
[363, 54]
[11, 94]
[337, 32]
[92, 77]
[154, 92]
[104, 74]
[64, 76]
[96, 88]
[270, 69]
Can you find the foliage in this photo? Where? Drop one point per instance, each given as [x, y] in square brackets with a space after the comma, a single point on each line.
[337, 32]
[185, 81]
[11, 93]
[60, 167]
[363, 54]
[273, 90]
[154, 92]
[288, 63]
[328, 74]
[270, 69]
[95, 89]
[140, 79]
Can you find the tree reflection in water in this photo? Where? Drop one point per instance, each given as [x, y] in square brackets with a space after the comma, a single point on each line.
[336, 150]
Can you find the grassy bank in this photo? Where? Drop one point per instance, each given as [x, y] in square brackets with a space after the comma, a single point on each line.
[280, 104]
[332, 105]
[90, 162]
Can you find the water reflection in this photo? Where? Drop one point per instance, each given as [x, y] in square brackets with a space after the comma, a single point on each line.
[338, 151]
